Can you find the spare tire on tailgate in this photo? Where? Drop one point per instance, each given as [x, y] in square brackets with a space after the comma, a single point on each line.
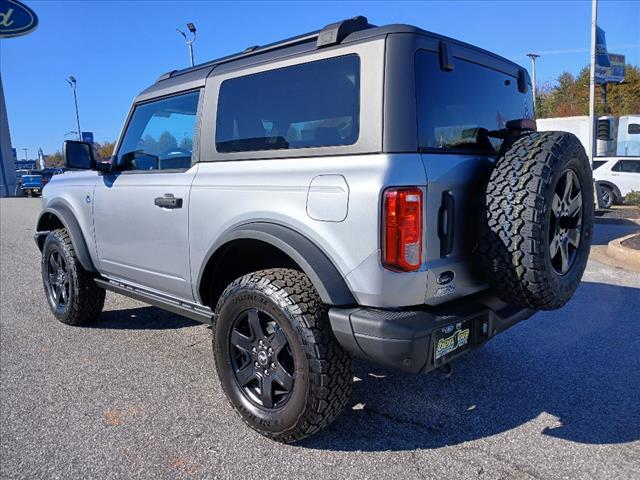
[537, 229]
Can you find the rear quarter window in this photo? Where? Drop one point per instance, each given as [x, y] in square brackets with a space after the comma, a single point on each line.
[627, 166]
[465, 109]
[315, 104]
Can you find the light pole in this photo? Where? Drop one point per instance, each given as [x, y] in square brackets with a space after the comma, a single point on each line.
[533, 57]
[592, 83]
[72, 81]
[192, 29]
[26, 156]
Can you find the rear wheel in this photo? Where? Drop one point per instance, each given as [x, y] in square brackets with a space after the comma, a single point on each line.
[608, 196]
[72, 294]
[276, 356]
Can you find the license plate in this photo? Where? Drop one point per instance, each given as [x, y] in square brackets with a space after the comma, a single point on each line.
[451, 338]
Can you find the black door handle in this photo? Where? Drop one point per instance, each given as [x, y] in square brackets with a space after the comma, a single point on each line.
[168, 201]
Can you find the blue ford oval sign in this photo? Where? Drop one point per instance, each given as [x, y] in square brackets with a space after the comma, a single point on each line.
[16, 19]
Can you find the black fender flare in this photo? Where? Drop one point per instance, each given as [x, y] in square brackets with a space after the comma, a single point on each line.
[64, 213]
[326, 278]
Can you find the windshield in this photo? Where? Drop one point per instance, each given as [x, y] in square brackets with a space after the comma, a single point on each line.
[465, 109]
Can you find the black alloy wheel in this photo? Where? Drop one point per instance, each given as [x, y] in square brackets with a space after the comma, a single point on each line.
[261, 359]
[57, 279]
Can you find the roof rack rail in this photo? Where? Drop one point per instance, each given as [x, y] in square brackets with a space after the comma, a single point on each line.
[334, 33]
[330, 35]
[165, 75]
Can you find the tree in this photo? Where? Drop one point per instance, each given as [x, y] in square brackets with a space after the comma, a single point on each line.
[166, 142]
[186, 143]
[104, 150]
[148, 144]
[571, 96]
[54, 160]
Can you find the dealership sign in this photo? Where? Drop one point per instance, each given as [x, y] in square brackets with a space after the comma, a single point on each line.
[616, 71]
[16, 19]
[610, 67]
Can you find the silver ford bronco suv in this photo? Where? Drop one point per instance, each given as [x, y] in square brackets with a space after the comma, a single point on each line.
[358, 191]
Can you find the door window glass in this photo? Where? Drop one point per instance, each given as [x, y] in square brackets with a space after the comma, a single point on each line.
[160, 135]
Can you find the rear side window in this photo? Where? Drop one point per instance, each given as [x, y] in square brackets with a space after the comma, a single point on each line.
[627, 166]
[315, 104]
[598, 163]
[465, 109]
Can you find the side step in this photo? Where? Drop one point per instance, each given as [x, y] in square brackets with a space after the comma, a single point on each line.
[186, 309]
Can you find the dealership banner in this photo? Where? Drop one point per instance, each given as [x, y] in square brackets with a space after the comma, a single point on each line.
[616, 72]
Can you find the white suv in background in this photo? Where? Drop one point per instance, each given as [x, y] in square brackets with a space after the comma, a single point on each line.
[617, 176]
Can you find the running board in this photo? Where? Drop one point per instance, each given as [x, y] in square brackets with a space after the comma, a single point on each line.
[180, 307]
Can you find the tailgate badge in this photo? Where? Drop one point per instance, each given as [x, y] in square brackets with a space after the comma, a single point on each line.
[445, 277]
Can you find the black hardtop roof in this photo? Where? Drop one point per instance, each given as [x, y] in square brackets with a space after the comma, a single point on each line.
[357, 30]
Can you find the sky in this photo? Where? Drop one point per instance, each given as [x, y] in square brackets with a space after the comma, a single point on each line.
[116, 49]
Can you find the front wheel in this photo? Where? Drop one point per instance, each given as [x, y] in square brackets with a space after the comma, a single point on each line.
[278, 361]
[73, 296]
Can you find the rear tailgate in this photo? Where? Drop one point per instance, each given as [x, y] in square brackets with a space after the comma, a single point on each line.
[453, 208]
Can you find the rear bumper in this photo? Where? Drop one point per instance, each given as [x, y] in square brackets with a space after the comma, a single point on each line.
[405, 339]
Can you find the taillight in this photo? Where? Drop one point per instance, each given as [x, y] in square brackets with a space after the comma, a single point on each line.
[402, 229]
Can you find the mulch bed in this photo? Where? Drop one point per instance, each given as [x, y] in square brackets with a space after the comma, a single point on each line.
[632, 242]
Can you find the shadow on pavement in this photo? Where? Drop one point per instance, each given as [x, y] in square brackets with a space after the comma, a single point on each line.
[142, 318]
[573, 373]
[603, 233]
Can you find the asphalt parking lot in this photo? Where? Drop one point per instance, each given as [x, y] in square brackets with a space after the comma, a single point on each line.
[135, 396]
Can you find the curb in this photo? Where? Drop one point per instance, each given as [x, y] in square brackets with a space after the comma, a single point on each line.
[627, 255]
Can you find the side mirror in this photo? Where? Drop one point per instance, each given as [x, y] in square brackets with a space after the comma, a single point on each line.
[78, 155]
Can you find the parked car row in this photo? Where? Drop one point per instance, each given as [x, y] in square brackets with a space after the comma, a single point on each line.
[30, 183]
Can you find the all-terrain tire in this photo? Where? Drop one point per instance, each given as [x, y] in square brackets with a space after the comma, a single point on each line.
[323, 375]
[83, 299]
[523, 216]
